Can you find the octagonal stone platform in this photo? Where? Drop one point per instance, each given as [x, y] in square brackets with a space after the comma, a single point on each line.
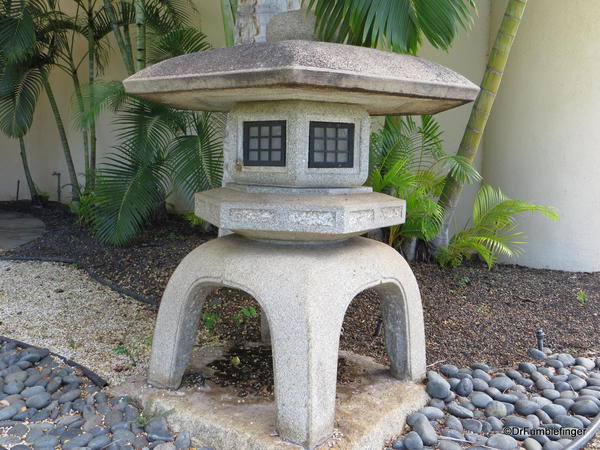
[295, 216]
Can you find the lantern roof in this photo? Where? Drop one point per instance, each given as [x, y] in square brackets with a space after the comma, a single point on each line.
[382, 82]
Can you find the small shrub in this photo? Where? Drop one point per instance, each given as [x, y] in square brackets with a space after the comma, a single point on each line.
[582, 298]
[245, 312]
[84, 209]
[492, 232]
[122, 350]
[193, 219]
[210, 320]
[407, 160]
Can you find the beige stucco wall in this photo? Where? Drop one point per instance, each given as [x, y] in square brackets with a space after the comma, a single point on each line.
[543, 140]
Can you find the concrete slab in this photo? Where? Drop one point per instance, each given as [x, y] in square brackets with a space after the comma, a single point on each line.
[369, 410]
[17, 229]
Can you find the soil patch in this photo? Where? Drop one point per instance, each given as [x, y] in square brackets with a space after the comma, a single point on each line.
[250, 370]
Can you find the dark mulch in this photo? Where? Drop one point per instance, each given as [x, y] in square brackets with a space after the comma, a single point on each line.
[144, 267]
[471, 314]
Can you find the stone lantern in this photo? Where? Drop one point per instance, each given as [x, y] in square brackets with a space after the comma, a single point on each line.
[295, 160]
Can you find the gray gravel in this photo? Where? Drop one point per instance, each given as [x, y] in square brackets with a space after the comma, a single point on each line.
[59, 307]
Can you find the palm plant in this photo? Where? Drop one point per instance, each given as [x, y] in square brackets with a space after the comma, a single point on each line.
[492, 231]
[158, 147]
[90, 23]
[36, 37]
[20, 87]
[407, 161]
[151, 18]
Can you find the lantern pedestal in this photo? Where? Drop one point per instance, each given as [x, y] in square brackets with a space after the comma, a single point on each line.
[369, 410]
[303, 290]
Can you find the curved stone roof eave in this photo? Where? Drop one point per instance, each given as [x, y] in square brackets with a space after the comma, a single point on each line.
[214, 83]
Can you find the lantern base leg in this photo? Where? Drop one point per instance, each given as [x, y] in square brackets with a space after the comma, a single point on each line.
[303, 291]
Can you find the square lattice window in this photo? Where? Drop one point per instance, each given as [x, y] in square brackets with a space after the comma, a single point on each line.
[264, 143]
[331, 144]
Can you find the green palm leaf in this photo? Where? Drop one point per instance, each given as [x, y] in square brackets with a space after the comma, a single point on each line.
[493, 229]
[460, 168]
[143, 123]
[17, 28]
[197, 157]
[130, 185]
[20, 87]
[177, 42]
[106, 95]
[397, 25]
[165, 15]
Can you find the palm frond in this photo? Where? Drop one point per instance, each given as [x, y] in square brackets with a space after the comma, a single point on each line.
[146, 123]
[17, 28]
[177, 42]
[461, 169]
[106, 95]
[197, 157]
[403, 158]
[493, 230]
[129, 187]
[397, 25]
[20, 87]
[492, 207]
[165, 15]
[178, 10]
[440, 20]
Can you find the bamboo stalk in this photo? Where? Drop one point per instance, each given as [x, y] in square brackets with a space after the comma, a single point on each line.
[28, 177]
[91, 168]
[127, 56]
[140, 23]
[481, 110]
[75, 191]
[126, 34]
[228, 22]
[81, 105]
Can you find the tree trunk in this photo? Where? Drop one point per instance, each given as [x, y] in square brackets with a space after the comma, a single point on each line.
[481, 111]
[35, 198]
[90, 171]
[126, 55]
[81, 105]
[75, 191]
[140, 23]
